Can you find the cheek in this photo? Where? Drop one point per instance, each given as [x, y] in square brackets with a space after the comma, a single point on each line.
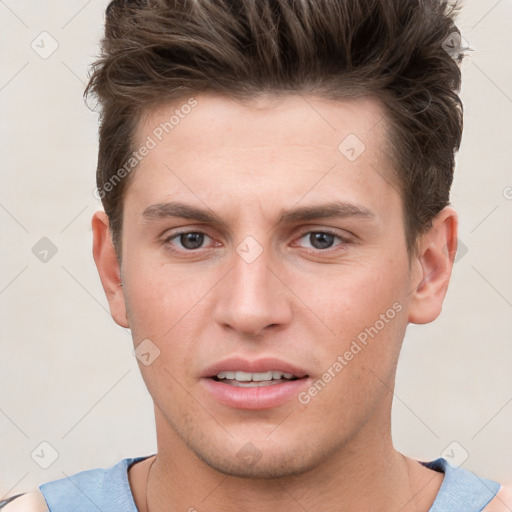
[161, 308]
[158, 297]
[364, 308]
[357, 370]
[350, 298]
[166, 305]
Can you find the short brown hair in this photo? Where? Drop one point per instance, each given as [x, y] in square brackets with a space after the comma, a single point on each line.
[401, 52]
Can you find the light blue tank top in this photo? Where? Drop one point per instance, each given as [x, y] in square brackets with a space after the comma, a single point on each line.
[109, 490]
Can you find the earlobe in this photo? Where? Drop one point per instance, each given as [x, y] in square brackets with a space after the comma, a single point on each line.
[433, 267]
[108, 268]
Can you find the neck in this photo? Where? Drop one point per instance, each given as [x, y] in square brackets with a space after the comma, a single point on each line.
[369, 475]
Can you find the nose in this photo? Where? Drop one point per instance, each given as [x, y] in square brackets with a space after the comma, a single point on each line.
[253, 297]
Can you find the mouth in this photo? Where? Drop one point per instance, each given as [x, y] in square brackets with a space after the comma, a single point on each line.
[258, 384]
[252, 380]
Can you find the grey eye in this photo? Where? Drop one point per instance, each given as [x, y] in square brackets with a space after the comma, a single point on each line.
[191, 240]
[320, 240]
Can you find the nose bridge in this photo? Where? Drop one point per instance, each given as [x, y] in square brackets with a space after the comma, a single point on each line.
[252, 298]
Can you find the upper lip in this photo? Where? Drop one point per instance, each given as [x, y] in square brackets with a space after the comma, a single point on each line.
[261, 365]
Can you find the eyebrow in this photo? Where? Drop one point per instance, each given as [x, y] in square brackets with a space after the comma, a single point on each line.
[336, 209]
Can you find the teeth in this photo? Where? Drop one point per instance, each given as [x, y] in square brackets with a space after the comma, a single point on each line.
[255, 377]
[226, 375]
[258, 377]
[243, 376]
[252, 384]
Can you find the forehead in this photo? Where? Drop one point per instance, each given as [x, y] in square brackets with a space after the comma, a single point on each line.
[210, 147]
[304, 118]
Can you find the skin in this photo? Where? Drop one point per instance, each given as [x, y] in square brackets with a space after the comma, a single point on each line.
[248, 163]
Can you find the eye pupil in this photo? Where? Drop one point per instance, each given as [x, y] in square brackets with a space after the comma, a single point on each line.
[192, 240]
[323, 240]
[318, 239]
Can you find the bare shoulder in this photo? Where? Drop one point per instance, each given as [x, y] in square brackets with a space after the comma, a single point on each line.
[502, 502]
[30, 502]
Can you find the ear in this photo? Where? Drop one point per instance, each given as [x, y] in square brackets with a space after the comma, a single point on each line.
[432, 267]
[108, 268]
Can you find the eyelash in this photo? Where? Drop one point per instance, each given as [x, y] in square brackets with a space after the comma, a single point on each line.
[344, 241]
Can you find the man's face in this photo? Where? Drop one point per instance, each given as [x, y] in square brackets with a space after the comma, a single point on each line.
[259, 289]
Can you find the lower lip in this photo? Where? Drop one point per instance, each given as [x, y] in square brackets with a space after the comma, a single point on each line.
[261, 397]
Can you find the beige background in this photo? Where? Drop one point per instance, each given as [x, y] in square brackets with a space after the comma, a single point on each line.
[67, 373]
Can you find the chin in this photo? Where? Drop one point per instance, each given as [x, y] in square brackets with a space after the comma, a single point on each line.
[244, 449]
[269, 466]
[261, 459]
